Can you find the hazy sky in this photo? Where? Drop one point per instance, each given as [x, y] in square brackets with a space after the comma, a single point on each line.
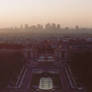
[65, 12]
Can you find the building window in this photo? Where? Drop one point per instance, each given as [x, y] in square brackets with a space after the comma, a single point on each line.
[46, 83]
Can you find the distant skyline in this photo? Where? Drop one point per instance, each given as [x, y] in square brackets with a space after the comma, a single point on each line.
[65, 12]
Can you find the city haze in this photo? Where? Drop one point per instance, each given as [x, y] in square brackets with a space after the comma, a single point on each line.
[65, 12]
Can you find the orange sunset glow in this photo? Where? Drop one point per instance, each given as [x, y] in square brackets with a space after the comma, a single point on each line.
[65, 12]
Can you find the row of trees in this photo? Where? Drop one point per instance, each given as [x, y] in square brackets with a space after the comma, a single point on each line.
[10, 66]
[81, 65]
